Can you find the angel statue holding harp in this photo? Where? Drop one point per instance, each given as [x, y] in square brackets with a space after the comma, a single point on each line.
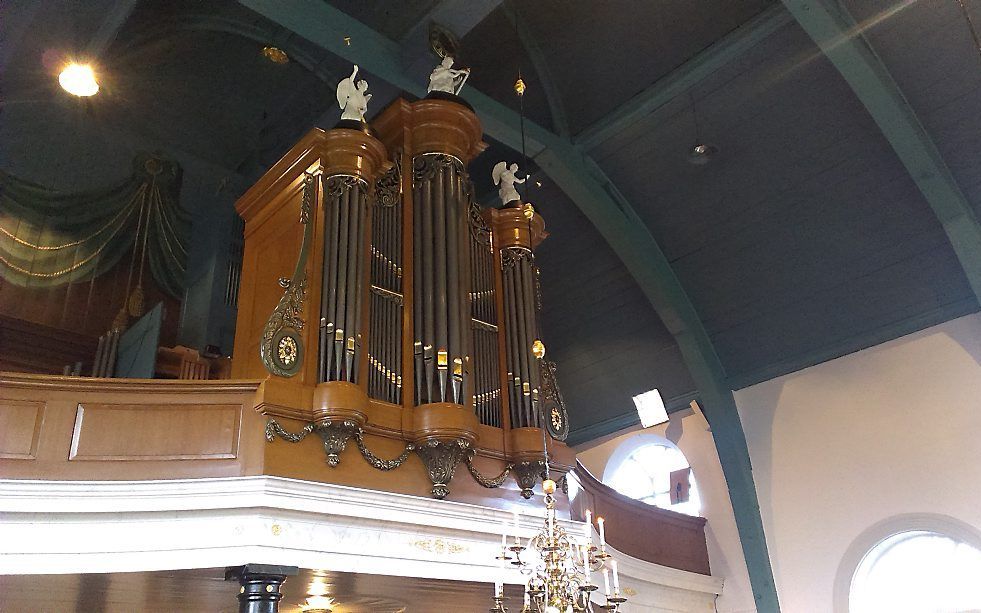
[506, 178]
[353, 99]
[447, 79]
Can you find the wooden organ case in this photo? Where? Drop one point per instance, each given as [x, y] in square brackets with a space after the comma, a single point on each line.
[383, 307]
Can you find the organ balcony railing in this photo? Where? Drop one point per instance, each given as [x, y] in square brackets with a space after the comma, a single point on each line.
[411, 312]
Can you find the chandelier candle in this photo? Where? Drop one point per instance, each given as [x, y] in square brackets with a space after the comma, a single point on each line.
[587, 530]
[602, 531]
[585, 557]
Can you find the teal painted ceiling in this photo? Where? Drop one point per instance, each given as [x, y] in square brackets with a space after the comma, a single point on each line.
[803, 239]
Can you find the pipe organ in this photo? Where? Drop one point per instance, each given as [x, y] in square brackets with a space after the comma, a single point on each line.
[410, 320]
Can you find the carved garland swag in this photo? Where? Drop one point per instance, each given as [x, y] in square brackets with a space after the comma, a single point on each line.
[441, 459]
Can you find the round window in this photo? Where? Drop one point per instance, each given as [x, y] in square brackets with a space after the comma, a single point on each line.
[657, 474]
[917, 571]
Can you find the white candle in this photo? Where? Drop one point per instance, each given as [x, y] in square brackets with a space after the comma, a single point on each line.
[602, 531]
[499, 588]
[606, 581]
[517, 540]
[588, 528]
[616, 577]
[585, 557]
[504, 536]
[527, 596]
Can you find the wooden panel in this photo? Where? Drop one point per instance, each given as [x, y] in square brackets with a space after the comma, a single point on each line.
[20, 428]
[644, 531]
[271, 252]
[85, 308]
[155, 432]
[162, 420]
[26, 346]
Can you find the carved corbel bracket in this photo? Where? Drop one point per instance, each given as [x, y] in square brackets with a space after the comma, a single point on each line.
[335, 435]
[441, 459]
[527, 474]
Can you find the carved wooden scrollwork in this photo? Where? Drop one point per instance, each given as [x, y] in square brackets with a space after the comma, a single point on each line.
[281, 349]
[555, 415]
[441, 460]
[388, 187]
[491, 482]
[527, 474]
[512, 255]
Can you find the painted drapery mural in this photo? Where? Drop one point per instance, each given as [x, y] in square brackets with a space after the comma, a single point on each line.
[50, 238]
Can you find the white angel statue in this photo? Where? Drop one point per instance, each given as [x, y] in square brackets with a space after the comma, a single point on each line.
[445, 79]
[353, 99]
[506, 178]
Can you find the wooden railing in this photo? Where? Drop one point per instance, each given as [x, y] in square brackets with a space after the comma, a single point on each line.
[643, 531]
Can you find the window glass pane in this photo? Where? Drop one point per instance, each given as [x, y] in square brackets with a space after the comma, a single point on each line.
[917, 572]
[645, 475]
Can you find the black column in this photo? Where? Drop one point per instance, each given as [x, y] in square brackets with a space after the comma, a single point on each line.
[260, 586]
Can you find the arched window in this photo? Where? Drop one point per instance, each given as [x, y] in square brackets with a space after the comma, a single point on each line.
[642, 468]
[917, 571]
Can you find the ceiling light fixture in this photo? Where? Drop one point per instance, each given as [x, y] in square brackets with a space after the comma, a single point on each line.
[78, 80]
[275, 55]
[702, 154]
[318, 604]
[558, 577]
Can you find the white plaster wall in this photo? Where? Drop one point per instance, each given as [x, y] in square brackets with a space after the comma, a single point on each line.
[724, 548]
[841, 446]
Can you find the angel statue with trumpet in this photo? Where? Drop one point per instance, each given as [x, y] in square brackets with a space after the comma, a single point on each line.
[445, 78]
[353, 99]
[506, 178]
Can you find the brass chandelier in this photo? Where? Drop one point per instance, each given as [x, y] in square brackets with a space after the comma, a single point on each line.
[560, 581]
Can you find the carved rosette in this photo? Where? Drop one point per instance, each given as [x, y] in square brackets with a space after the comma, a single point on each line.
[527, 474]
[335, 436]
[281, 349]
[441, 459]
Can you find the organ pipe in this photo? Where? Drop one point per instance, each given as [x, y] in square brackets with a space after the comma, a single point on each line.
[399, 278]
[442, 342]
[343, 278]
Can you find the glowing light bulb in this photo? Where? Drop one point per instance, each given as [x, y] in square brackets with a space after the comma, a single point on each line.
[79, 80]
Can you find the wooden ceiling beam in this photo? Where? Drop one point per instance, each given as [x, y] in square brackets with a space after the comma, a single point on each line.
[114, 18]
[681, 79]
[552, 95]
[598, 199]
[840, 39]
[457, 16]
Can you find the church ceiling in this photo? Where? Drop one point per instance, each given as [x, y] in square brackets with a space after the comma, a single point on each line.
[802, 239]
